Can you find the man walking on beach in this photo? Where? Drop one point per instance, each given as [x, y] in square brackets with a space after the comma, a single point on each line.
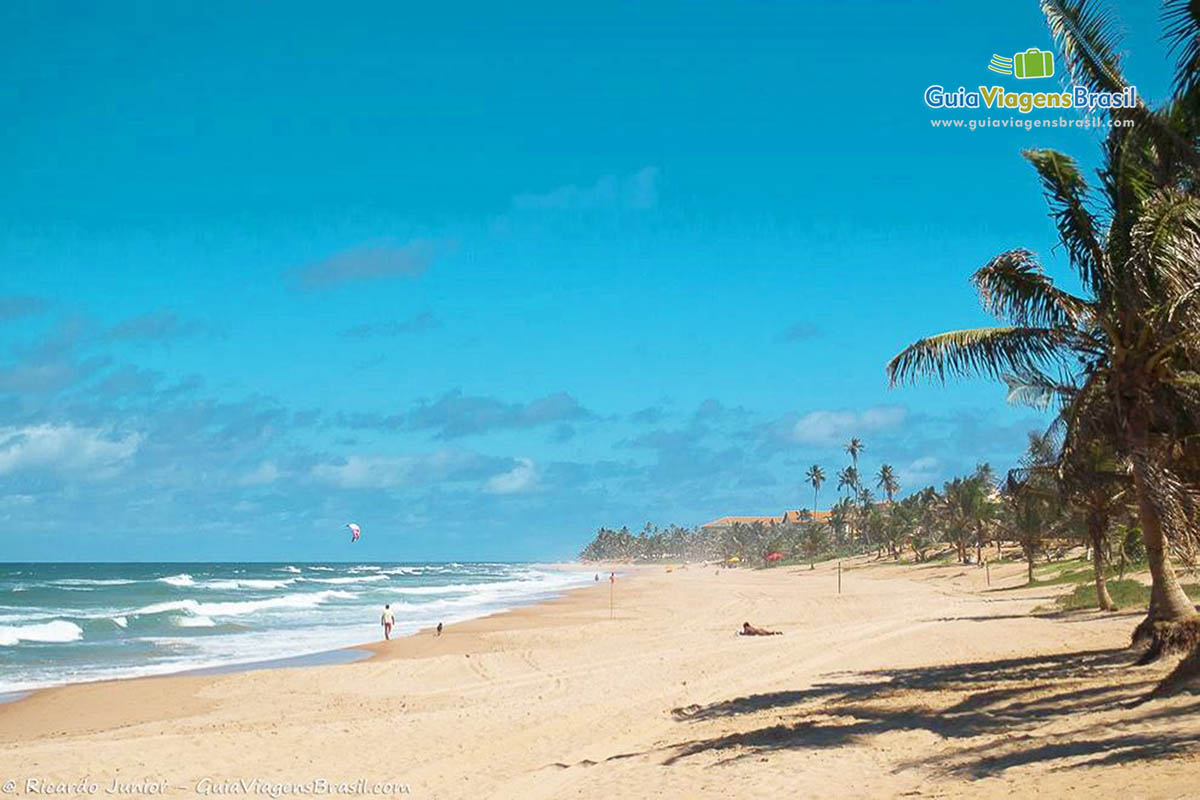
[387, 619]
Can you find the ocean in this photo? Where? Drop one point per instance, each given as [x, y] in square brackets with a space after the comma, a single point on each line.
[65, 623]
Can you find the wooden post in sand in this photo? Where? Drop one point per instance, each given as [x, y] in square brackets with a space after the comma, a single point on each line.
[612, 585]
[987, 568]
[839, 577]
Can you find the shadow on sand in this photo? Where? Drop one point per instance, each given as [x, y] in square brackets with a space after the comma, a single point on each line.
[992, 715]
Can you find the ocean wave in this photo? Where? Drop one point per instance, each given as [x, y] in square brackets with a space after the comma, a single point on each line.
[195, 622]
[290, 568]
[323, 569]
[58, 630]
[358, 579]
[238, 608]
[91, 582]
[532, 585]
[247, 583]
[183, 579]
[122, 622]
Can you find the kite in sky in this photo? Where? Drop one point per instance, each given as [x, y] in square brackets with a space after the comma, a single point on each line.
[355, 532]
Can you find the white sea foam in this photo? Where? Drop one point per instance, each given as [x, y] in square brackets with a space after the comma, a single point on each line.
[356, 579]
[59, 630]
[238, 608]
[340, 607]
[247, 583]
[89, 582]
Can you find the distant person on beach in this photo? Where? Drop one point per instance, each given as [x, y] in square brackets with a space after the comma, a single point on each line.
[750, 630]
[439, 629]
[387, 619]
[597, 577]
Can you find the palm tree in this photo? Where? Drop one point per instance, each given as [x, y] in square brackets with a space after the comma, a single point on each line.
[853, 448]
[922, 521]
[1122, 357]
[956, 513]
[1095, 482]
[886, 480]
[839, 517]
[816, 477]
[866, 502]
[848, 479]
[1029, 515]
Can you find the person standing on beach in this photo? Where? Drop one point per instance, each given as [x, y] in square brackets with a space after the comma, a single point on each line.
[387, 619]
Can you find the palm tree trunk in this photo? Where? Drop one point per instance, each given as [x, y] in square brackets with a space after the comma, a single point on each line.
[1096, 532]
[1168, 602]
[1171, 624]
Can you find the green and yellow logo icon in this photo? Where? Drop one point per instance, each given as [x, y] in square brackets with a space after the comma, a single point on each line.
[1033, 63]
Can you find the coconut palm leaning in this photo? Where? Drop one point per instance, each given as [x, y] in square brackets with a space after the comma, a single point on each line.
[816, 477]
[1124, 356]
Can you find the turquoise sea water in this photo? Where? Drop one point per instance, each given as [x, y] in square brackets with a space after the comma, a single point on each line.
[64, 623]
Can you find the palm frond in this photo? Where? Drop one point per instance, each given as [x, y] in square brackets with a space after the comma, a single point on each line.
[1088, 39]
[1181, 18]
[991, 352]
[1067, 194]
[1013, 287]
[1036, 389]
[1166, 248]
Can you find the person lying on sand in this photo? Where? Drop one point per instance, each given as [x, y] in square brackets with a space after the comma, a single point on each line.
[750, 630]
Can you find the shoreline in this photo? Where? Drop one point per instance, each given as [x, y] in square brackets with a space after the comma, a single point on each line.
[331, 656]
[910, 681]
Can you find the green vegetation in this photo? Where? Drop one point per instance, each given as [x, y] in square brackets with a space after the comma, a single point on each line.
[1118, 360]
[1125, 593]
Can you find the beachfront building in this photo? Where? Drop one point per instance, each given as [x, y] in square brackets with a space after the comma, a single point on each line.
[786, 518]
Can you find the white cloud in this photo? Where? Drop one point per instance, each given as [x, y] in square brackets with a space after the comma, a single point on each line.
[832, 427]
[636, 192]
[919, 473]
[264, 473]
[366, 472]
[65, 448]
[517, 479]
[385, 472]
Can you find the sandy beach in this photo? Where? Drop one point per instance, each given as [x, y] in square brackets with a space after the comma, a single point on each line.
[915, 681]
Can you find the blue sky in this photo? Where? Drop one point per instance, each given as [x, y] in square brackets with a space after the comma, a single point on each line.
[485, 277]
